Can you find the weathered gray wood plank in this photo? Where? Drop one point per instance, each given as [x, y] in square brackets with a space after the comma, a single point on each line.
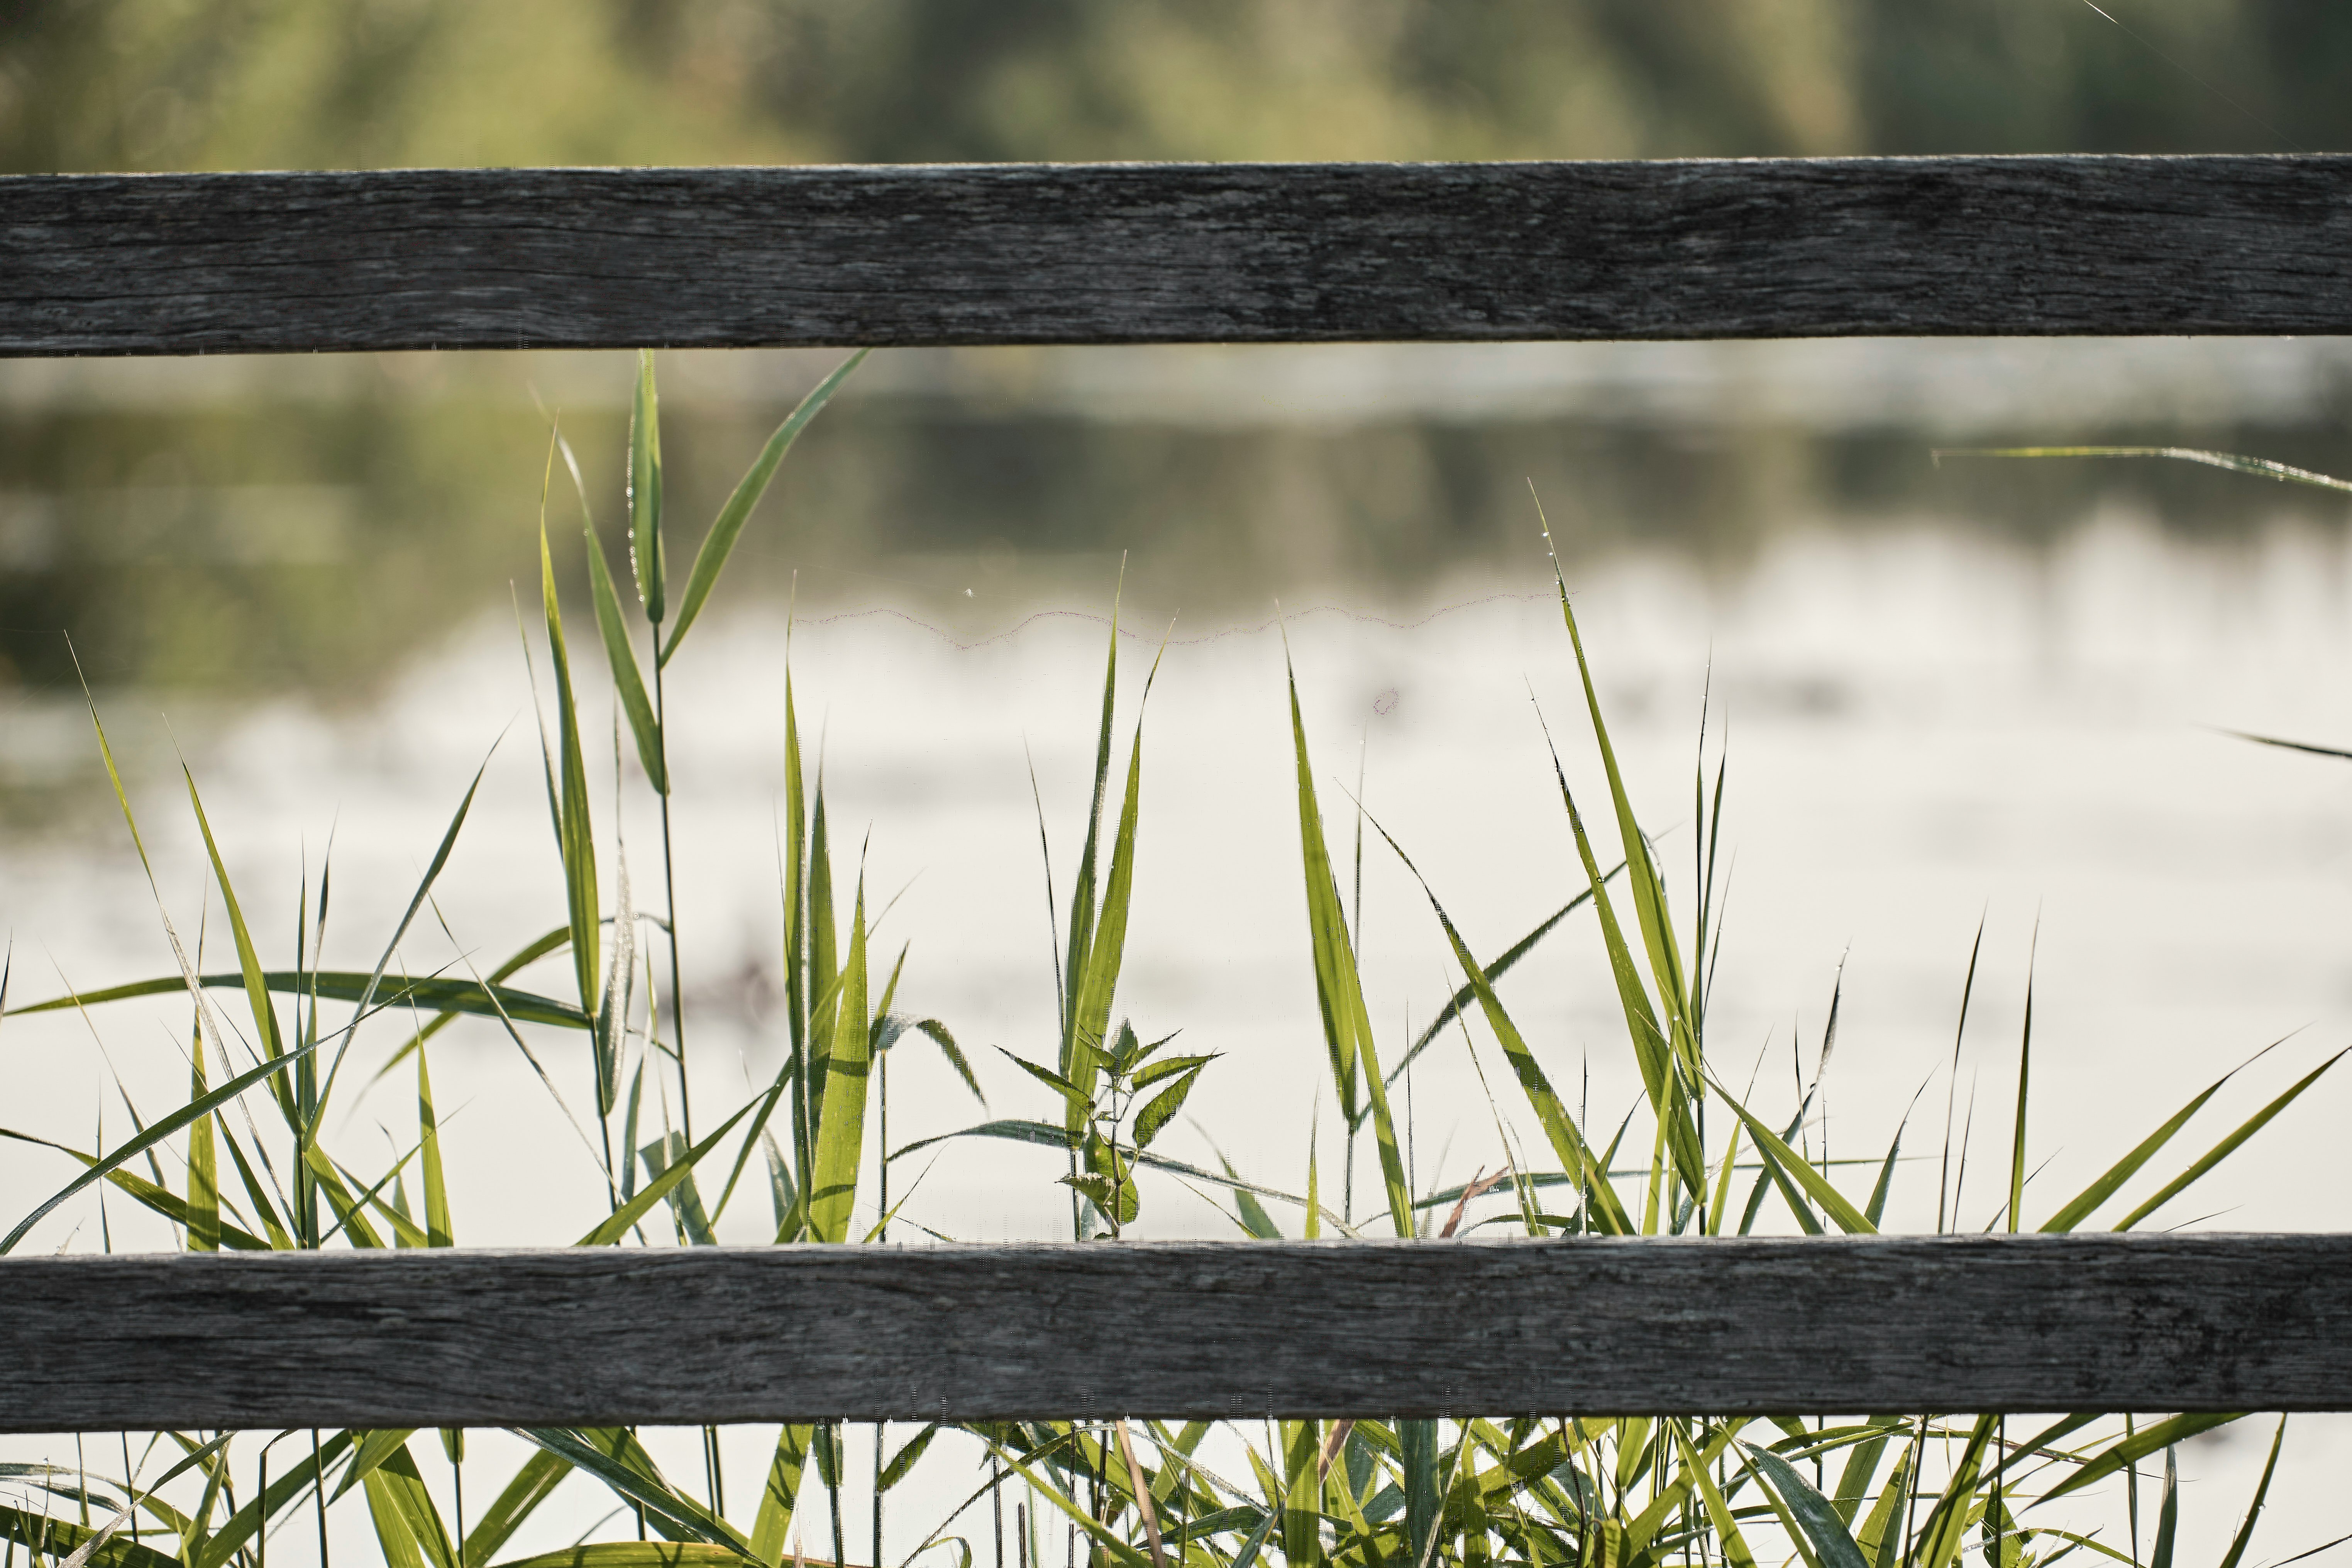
[1135, 253]
[609, 1336]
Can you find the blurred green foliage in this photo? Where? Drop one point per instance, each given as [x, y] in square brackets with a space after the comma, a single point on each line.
[203, 84]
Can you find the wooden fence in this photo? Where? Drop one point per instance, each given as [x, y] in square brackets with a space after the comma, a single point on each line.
[1134, 253]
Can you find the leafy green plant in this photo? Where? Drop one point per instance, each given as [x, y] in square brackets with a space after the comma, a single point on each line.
[1876, 1490]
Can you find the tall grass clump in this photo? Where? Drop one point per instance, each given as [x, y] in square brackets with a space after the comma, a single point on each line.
[253, 1167]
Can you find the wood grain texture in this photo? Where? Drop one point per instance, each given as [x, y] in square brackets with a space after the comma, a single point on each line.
[679, 1336]
[1138, 253]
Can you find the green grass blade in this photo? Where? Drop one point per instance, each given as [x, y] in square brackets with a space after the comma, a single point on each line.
[1107, 949]
[1787, 1163]
[632, 1476]
[614, 631]
[438, 1229]
[529, 954]
[2245, 1535]
[452, 997]
[2219, 1151]
[772, 1529]
[1876, 1213]
[2167, 1517]
[574, 841]
[2316, 751]
[841, 1135]
[2081, 1205]
[150, 1136]
[1082, 886]
[203, 1163]
[257, 993]
[148, 1194]
[2017, 1136]
[2262, 468]
[1339, 982]
[2138, 1445]
[646, 490]
[1648, 888]
[1663, 1069]
[533, 1485]
[1338, 987]
[61, 1539]
[633, 1554]
[1814, 1515]
[1467, 997]
[617, 1225]
[1728, 1539]
[222, 1545]
[719, 542]
[1567, 1141]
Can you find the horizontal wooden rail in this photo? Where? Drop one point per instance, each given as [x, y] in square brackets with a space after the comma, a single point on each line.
[1177, 1329]
[904, 254]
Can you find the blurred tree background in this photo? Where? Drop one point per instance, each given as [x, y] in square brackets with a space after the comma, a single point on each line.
[216, 84]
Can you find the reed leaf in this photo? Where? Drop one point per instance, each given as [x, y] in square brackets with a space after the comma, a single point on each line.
[1339, 985]
[1814, 1516]
[575, 842]
[2222, 1151]
[2138, 1445]
[841, 1126]
[646, 491]
[633, 1554]
[719, 542]
[644, 726]
[1567, 1141]
[437, 993]
[2260, 468]
[533, 1485]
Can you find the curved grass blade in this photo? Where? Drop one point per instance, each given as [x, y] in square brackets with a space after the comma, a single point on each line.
[151, 1135]
[2290, 745]
[1046, 1136]
[1503, 965]
[841, 1123]
[613, 630]
[218, 1548]
[163, 1200]
[633, 1554]
[2227, 1146]
[2081, 1206]
[204, 1159]
[1082, 886]
[719, 542]
[646, 490]
[1786, 1162]
[400, 1504]
[1339, 982]
[530, 953]
[574, 840]
[2138, 1445]
[635, 1480]
[774, 1524]
[2254, 1510]
[1814, 1515]
[2260, 468]
[1091, 999]
[539, 1476]
[59, 1537]
[1733, 1544]
[1566, 1139]
[445, 995]
[1656, 1053]
[617, 1225]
